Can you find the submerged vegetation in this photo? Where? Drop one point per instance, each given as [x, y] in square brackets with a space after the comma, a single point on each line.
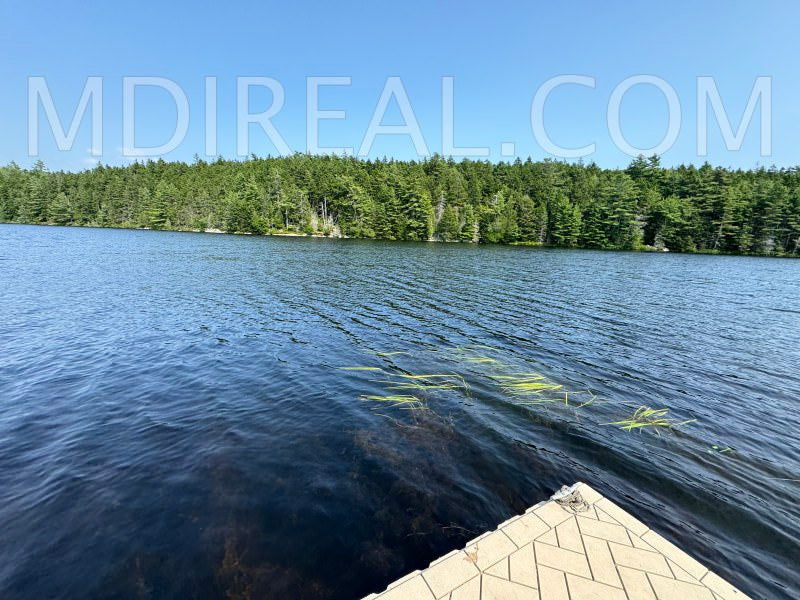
[421, 384]
[404, 402]
[645, 206]
[657, 419]
[526, 384]
[524, 388]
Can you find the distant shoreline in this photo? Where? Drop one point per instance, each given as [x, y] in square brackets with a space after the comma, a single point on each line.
[645, 207]
[290, 234]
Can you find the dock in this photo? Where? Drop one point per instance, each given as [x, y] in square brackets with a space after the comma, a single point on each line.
[576, 546]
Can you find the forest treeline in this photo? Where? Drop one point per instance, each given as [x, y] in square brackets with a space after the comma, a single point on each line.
[548, 203]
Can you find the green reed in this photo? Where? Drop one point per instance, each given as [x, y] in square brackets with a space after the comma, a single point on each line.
[404, 402]
[657, 419]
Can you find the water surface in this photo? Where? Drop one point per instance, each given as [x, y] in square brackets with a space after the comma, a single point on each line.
[175, 422]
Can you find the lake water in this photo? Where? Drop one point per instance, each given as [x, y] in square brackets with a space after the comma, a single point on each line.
[175, 420]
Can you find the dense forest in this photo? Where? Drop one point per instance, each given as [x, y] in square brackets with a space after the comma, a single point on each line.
[548, 203]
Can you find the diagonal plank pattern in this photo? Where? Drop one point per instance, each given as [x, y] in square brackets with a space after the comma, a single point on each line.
[576, 546]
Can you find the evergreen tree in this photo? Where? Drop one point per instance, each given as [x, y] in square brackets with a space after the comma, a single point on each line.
[60, 210]
[417, 209]
[33, 206]
[683, 208]
[565, 222]
[449, 227]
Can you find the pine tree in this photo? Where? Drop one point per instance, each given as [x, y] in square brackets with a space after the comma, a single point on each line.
[526, 220]
[417, 208]
[565, 222]
[60, 211]
[682, 208]
[449, 227]
[618, 207]
[34, 202]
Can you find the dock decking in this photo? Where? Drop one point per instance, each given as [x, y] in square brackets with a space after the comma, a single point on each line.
[576, 546]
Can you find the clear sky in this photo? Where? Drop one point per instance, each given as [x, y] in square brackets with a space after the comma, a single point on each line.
[499, 55]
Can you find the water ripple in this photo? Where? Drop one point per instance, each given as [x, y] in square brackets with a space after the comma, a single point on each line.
[175, 421]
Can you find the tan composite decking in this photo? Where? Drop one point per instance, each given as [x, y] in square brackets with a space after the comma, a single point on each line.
[576, 546]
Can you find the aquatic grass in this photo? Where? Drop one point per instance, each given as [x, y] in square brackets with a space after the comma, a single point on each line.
[475, 355]
[421, 384]
[519, 376]
[482, 360]
[471, 354]
[412, 385]
[435, 379]
[526, 384]
[559, 399]
[404, 402]
[428, 375]
[657, 419]
[531, 387]
[522, 386]
[591, 399]
[425, 382]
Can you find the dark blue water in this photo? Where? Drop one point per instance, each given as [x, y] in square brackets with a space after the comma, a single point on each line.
[174, 421]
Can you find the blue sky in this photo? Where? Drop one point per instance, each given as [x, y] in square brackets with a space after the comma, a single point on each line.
[498, 55]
